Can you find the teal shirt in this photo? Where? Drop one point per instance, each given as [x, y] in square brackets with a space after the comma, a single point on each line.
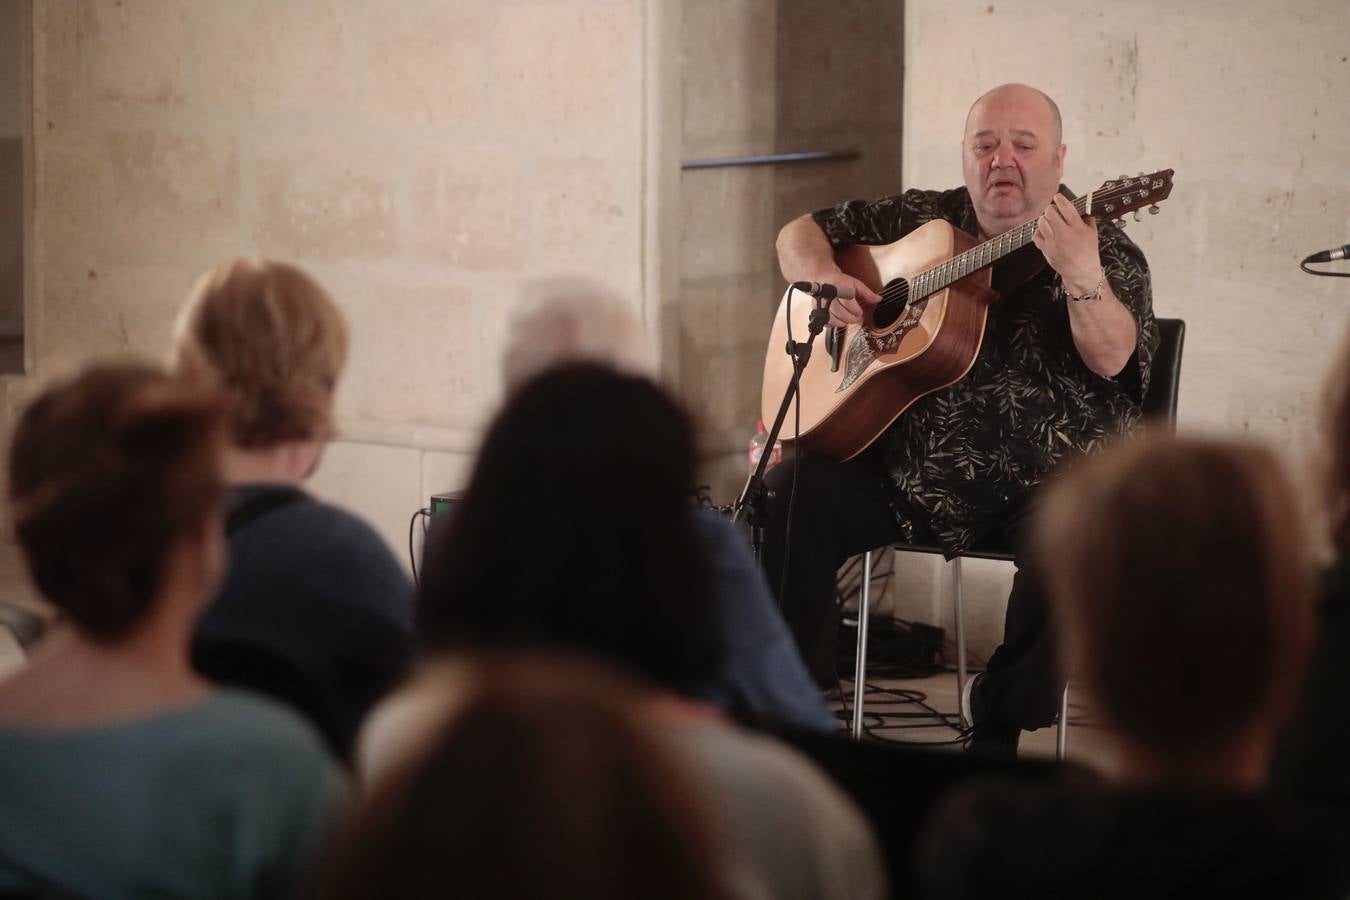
[230, 797]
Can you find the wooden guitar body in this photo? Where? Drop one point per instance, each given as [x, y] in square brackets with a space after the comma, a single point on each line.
[900, 352]
[861, 378]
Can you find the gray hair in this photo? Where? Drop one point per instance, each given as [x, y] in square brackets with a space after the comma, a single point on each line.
[572, 319]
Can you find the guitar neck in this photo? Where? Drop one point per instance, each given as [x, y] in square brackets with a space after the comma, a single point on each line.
[978, 257]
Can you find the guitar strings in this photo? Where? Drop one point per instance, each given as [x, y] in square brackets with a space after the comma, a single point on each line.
[899, 294]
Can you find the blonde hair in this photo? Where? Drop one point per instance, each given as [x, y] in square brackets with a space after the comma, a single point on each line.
[1178, 574]
[574, 320]
[273, 340]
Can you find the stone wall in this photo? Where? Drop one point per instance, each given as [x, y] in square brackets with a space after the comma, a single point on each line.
[761, 77]
[420, 158]
[12, 126]
[1246, 100]
[424, 158]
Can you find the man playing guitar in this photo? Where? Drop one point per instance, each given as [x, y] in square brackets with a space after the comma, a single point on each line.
[1063, 365]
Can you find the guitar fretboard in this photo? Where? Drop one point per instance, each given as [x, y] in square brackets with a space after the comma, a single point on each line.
[991, 251]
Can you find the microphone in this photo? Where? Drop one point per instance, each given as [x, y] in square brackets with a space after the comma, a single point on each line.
[823, 291]
[1329, 255]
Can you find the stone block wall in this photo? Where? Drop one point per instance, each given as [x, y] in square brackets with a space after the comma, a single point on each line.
[421, 159]
[760, 77]
[13, 15]
[1246, 100]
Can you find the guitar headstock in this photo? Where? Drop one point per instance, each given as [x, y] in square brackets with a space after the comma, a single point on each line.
[1128, 194]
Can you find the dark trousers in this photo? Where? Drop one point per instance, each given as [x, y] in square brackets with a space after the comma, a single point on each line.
[842, 509]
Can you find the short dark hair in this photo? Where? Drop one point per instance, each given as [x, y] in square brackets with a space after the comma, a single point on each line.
[549, 780]
[577, 532]
[1335, 450]
[106, 472]
[1177, 570]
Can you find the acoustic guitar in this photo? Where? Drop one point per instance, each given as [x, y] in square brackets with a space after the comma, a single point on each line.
[936, 287]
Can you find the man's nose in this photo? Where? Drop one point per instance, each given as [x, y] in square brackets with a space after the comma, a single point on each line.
[1002, 157]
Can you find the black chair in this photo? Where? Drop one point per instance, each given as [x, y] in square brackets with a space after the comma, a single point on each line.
[1160, 410]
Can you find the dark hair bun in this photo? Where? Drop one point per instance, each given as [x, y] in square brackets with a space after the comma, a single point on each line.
[107, 470]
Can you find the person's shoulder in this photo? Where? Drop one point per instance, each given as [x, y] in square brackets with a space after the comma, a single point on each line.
[267, 766]
[1000, 811]
[712, 523]
[994, 802]
[923, 205]
[407, 718]
[792, 830]
[247, 722]
[342, 538]
[757, 764]
[952, 199]
[330, 518]
[247, 742]
[721, 537]
[985, 830]
[956, 198]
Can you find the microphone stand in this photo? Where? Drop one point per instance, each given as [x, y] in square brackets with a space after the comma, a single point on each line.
[752, 505]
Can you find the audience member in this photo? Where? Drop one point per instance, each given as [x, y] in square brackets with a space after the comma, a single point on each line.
[565, 320]
[1185, 620]
[760, 677]
[526, 777]
[615, 569]
[315, 610]
[1313, 756]
[123, 773]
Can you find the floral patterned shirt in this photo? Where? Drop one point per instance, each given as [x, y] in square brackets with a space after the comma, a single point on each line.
[961, 457]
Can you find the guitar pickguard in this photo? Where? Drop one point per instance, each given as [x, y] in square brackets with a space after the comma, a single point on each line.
[865, 347]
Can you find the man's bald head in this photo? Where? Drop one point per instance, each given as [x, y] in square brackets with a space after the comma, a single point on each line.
[1012, 156]
[1004, 91]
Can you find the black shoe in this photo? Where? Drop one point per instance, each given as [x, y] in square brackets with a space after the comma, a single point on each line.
[989, 739]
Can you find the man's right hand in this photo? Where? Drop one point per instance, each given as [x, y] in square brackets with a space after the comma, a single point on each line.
[805, 254]
[849, 312]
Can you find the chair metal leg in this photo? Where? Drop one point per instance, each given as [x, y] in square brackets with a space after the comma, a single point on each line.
[1062, 738]
[860, 665]
[958, 611]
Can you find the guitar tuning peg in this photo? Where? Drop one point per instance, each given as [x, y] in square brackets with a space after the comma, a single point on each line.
[1124, 178]
[1120, 223]
[1136, 215]
[1153, 210]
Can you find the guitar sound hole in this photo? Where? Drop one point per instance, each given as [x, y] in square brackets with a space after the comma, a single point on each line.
[894, 301]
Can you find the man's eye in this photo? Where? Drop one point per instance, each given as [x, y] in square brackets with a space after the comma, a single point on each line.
[1026, 146]
[983, 148]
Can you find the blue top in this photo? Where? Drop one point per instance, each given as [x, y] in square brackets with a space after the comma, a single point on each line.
[315, 611]
[229, 797]
[762, 674]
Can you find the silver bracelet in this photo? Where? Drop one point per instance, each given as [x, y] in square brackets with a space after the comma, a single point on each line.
[1094, 294]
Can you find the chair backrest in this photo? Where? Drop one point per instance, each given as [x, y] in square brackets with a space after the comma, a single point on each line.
[1164, 381]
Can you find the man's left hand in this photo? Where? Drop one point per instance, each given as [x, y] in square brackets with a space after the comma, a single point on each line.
[1069, 243]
